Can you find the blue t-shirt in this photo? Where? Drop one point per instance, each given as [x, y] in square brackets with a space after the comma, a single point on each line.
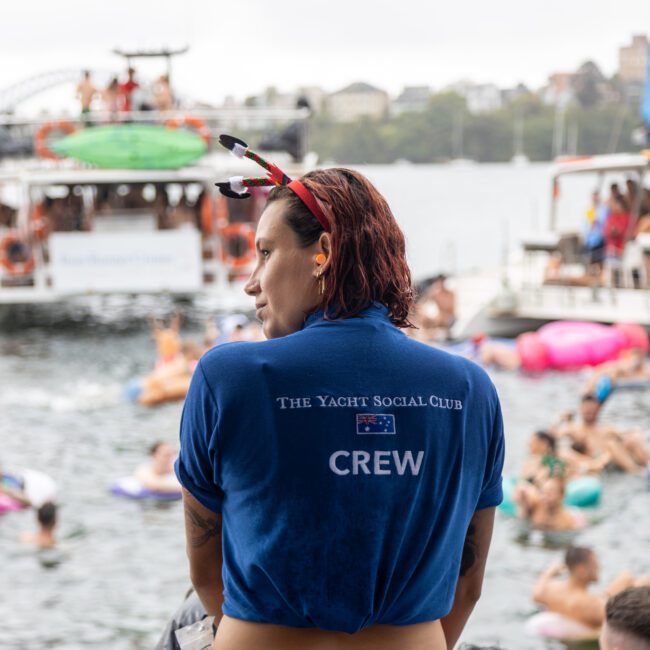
[347, 461]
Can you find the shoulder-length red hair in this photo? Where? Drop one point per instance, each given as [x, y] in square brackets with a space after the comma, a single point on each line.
[368, 257]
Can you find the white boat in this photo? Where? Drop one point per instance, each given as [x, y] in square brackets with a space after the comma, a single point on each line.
[521, 296]
[72, 231]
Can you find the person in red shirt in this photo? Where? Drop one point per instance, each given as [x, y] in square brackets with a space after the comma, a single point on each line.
[615, 233]
[126, 89]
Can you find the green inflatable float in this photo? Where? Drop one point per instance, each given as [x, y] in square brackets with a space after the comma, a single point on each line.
[132, 146]
[582, 492]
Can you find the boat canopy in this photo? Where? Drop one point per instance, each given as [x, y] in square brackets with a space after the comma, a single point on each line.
[618, 162]
[116, 176]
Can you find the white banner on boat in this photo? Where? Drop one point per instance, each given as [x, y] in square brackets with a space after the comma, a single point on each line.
[167, 260]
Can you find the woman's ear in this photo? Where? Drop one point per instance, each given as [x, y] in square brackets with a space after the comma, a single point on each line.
[325, 247]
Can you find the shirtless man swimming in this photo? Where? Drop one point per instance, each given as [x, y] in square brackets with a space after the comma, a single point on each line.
[571, 597]
[544, 506]
[626, 449]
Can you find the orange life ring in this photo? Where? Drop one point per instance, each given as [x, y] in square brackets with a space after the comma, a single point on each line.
[247, 233]
[189, 120]
[41, 136]
[12, 267]
[39, 223]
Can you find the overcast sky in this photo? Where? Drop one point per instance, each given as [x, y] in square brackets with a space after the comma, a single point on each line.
[242, 46]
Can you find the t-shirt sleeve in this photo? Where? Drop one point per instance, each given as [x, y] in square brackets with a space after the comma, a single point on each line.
[196, 466]
[492, 490]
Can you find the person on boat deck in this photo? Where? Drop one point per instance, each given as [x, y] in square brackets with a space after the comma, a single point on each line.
[626, 450]
[162, 94]
[126, 90]
[571, 597]
[615, 233]
[339, 479]
[86, 92]
[594, 246]
[627, 620]
[544, 507]
[44, 537]
[158, 474]
[111, 98]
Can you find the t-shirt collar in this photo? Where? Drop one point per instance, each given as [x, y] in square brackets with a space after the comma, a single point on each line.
[374, 311]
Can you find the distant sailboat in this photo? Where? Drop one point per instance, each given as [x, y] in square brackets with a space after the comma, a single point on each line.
[457, 142]
[519, 158]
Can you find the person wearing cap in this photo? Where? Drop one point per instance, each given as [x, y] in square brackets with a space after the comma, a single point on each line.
[339, 479]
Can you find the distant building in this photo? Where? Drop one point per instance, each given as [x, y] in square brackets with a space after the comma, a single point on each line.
[480, 98]
[357, 100]
[560, 89]
[632, 60]
[413, 99]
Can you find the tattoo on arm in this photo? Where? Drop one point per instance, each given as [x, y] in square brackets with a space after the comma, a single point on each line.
[208, 527]
[469, 551]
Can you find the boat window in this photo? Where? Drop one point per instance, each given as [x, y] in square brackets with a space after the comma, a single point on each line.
[9, 203]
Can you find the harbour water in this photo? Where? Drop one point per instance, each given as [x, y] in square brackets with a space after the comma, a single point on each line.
[123, 569]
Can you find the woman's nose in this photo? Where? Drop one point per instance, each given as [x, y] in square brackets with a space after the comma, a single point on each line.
[252, 286]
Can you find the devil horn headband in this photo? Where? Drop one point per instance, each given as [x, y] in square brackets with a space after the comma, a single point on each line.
[236, 187]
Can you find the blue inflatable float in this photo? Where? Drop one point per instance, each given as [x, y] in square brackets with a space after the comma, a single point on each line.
[582, 492]
[130, 488]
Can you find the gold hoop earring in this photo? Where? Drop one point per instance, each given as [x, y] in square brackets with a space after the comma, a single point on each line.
[321, 283]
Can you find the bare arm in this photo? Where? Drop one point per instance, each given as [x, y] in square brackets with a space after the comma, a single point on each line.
[203, 538]
[540, 592]
[470, 581]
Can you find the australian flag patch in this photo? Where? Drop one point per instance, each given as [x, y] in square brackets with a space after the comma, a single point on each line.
[378, 423]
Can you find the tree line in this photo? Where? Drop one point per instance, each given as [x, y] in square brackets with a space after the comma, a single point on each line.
[445, 130]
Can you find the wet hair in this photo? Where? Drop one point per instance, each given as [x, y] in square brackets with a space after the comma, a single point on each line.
[629, 612]
[46, 515]
[589, 397]
[576, 555]
[155, 447]
[546, 437]
[368, 258]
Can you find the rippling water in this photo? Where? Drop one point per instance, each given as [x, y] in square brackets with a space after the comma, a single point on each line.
[124, 570]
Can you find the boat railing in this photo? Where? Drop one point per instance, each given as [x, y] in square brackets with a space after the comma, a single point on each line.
[241, 117]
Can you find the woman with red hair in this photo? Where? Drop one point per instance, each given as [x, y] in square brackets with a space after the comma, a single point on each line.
[339, 479]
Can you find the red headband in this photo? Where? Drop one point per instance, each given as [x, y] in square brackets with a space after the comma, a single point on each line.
[310, 202]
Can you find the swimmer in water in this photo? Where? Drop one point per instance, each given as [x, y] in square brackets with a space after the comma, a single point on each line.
[168, 340]
[625, 450]
[545, 458]
[571, 597]
[544, 506]
[171, 381]
[44, 537]
[158, 474]
[631, 365]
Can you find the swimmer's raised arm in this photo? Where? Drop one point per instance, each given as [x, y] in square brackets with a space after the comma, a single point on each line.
[203, 546]
[472, 571]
